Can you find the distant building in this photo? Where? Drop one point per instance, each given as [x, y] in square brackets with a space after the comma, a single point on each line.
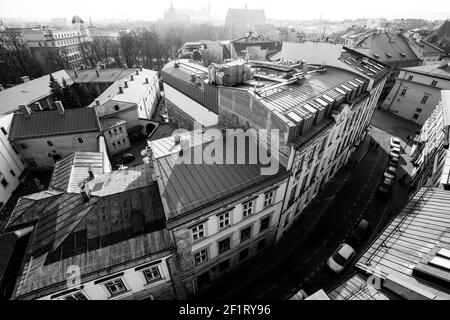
[238, 21]
[11, 163]
[409, 260]
[174, 16]
[441, 37]
[42, 138]
[253, 47]
[282, 34]
[58, 22]
[429, 152]
[217, 51]
[425, 51]
[33, 93]
[219, 215]
[103, 33]
[417, 91]
[122, 249]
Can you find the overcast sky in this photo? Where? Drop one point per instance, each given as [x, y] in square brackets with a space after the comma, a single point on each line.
[275, 9]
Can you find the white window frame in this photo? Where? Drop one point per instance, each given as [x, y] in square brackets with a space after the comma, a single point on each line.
[80, 140]
[247, 208]
[269, 198]
[197, 233]
[150, 271]
[204, 257]
[224, 219]
[72, 294]
[113, 281]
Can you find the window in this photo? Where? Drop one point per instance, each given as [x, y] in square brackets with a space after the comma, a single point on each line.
[151, 274]
[243, 254]
[424, 99]
[4, 182]
[433, 83]
[410, 77]
[261, 244]
[13, 173]
[23, 146]
[268, 198]
[201, 256]
[224, 265]
[248, 208]
[116, 107]
[264, 224]
[75, 296]
[115, 131]
[4, 131]
[198, 232]
[418, 110]
[224, 245]
[80, 140]
[415, 116]
[50, 143]
[246, 234]
[224, 220]
[109, 132]
[403, 92]
[120, 129]
[116, 286]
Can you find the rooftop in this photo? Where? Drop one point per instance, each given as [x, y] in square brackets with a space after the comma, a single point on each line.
[104, 75]
[29, 92]
[111, 122]
[356, 288]
[441, 70]
[52, 123]
[186, 187]
[403, 254]
[102, 235]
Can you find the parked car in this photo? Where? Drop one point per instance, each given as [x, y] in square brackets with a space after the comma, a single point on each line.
[341, 258]
[390, 172]
[385, 187]
[127, 158]
[359, 233]
[394, 154]
[394, 142]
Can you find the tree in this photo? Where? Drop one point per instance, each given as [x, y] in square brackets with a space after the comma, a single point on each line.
[209, 56]
[70, 99]
[129, 46]
[56, 91]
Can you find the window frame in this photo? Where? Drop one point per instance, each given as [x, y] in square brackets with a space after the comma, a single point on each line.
[424, 99]
[80, 140]
[199, 251]
[268, 217]
[114, 294]
[244, 209]
[74, 293]
[220, 220]
[244, 229]
[153, 279]
[193, 234]
[272, 199]
[219, 251]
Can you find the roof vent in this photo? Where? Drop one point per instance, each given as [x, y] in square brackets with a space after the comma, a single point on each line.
[125, 83]
[120, 89]
[97, 102]
[85, 192]
[402, 54]
[376, 55]
[91, 174]
[146, 80]
[131, 77]
[137, 72]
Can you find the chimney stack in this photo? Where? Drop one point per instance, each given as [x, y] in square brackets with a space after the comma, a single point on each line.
[125, 84]
[85, 193]
[146, 80]
[91, 174]
[132, 77]
[60, 107]
[140, 69]
[25, 110]
[125, 66]
[96, 71]
[177, 139]
[137, 72]
[25, 79]
[97, 102]
[120, 89]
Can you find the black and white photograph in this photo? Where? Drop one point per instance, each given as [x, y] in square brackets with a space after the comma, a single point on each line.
[225, 158]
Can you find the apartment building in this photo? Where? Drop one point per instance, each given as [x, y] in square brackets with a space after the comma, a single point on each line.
[132, 98]
[11, 163]
[417, 91]
[42, 138]
[427, 53]
[429, 153]
[33, 93]
[122, 248]
[219, 214]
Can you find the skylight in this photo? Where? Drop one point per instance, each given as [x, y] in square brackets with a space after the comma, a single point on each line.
[340, 91]
[309, 108]
[331, 100]
[294, 116]
[323, 103]
[440, 262]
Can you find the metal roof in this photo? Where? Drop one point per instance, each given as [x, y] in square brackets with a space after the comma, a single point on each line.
[421, 228]
[51, 123]
[356, 288]
[440, 70]
[104, 75]
[108, 123]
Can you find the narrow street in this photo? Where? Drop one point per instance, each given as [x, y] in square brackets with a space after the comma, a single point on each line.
[298, 261]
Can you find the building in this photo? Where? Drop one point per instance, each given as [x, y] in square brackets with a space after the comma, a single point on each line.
[116, 136]
[217, 51]
[11, 163]
[253, 47]
[391, 48]
[441, 37]
[132, 98]
[42, 138]
[58, 44]
[238, 21]
[321, 109]
[284, 34]
[33, 93]
[103, 33]
[410, 259]
[417, 91]
[425, 51]
[219, 214]
[122, 248]
[429, 153]
[188, 96]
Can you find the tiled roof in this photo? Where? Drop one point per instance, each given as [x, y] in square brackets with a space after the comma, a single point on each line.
[193, 187]
[29, 92]
[435, 70]
[104, 75]
[108, 123]
[7, 244]
[101, 236]
[51, 123]
[356, 288]
[419, 230]
[70, 172]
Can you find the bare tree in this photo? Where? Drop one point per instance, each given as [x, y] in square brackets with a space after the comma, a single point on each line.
[209, 56]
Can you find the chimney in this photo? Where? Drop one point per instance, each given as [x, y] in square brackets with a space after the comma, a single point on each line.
[146, 80]
[177, 139]
[1, 87]
[125, 66]
[25, 79]
[120, 89]
[91, 174]
[96, 71]
[75, 72]
[137, 72]
[140, 69]
[60, 107]
[132, 77]
[97, 102]
[125, 84]
[85, 192]
[25, 110]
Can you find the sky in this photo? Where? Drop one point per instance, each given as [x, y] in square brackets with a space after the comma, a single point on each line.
[151, 10]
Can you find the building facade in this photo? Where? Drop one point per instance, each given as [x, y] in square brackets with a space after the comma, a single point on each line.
[417, 91]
